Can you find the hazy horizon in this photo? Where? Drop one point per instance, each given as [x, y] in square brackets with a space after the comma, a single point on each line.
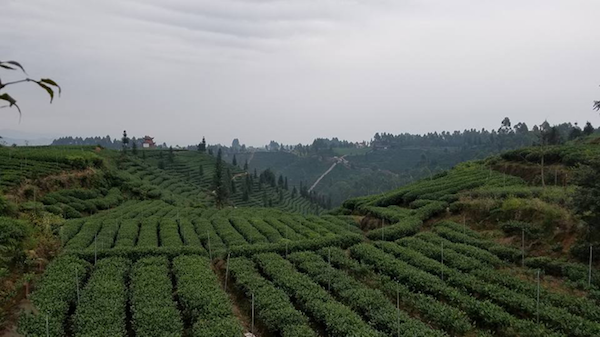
[293, 71]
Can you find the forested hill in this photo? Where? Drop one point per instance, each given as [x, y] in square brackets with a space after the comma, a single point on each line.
[390, 161]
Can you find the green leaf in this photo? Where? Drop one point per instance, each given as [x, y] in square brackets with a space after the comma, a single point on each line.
[11, 101]
[8, 98]
[51, 82]
[15, 63]
[48, 89]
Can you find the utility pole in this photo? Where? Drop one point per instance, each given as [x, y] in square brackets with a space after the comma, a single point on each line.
[590, 268]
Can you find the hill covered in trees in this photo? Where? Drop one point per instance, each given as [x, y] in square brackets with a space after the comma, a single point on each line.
[389, 161]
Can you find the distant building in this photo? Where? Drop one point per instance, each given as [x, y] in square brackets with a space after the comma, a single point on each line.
[148, 142]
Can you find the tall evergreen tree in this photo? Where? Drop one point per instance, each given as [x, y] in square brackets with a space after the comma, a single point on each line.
[575, 132]
[202, 146]
[246, 165]
[285, 184]
[220, 190]
[171, 156]
[280, 182]
[588, 129]
[234, 162]
[125, 141]
[294, 192]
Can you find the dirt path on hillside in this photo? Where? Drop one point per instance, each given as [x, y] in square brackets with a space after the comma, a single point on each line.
[337, 161]
[251, 157]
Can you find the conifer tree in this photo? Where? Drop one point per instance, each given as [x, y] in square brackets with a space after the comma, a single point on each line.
[171, 156]
[285, 184]
[246, 165]
[248, 184]
[280, 181]
[124, 141]
[202, 146]
[588, 129]
[294, 192]
[220, 190]
[234, 162]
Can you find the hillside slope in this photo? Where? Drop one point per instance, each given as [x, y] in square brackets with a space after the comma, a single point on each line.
[443, 256]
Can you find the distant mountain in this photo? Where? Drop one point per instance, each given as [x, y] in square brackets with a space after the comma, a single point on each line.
[21, 138]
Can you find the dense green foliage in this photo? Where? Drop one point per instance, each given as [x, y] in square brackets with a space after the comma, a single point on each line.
[427, 259]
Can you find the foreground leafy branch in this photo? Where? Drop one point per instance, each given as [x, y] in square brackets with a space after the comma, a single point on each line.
[45, 83]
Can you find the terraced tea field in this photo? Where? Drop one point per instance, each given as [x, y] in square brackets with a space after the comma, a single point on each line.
[150, 266]
[397, 264]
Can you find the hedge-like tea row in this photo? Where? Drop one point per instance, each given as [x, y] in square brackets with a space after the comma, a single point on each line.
[451, 257]
[86, 236]
[406, 227]
[429, 308]
[208, 236]
[148, 236]
[57, 292]
[266, 230]
[285, 246]
[580, 306]
[486, 313]
[202, 300]
[575, 272]
[504, 252]
[188, 234]
[106, 236]
[371, 303]
[317, 227]
[152, 305]
[334, 224]
[70, 229]
[472, 251]
[251, 234]
[298, 227]
[103, 303]
[227, 233]
[514, 302]
[273, 307]
[285, 231]
[337, 318]
[169, 233]
[137, 253]
[128, 233]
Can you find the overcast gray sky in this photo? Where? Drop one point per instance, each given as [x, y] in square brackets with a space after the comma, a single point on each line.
[293, 70]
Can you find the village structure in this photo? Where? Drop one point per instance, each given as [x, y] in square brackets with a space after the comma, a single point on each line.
[148, 142]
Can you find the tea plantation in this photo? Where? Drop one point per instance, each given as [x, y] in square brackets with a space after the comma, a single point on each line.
[444, 256]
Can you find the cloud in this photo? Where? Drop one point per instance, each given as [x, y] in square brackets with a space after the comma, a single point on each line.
[293, 70]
